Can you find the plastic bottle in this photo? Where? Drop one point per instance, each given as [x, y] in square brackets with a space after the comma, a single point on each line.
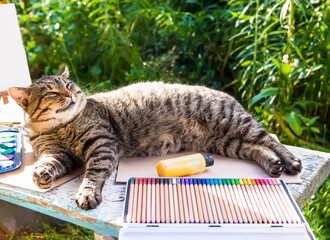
[182, 166]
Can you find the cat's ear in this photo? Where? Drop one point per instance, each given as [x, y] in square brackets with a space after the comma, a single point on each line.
[20, 95]
[64, 72]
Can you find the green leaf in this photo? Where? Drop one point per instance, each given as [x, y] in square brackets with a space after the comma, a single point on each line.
[316, 67]
[96, 70]
[284, 11]
[297, 49]
[277, 63]
[246, 63]
[286, 69]
[315, 129]
[294, 122]
[313, 120]
[265, 93]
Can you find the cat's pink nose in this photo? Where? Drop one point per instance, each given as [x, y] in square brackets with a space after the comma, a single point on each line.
[68, 94]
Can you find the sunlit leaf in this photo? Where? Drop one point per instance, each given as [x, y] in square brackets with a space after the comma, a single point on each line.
[316, 130]
[286, 69]
[294, 123]
[263, 94]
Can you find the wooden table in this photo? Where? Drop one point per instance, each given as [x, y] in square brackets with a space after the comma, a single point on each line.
[107, 218]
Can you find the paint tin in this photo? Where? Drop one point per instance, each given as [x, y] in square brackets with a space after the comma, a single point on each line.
[10, 150]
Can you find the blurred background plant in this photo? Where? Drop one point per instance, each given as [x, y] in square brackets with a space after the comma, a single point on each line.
[273, 56]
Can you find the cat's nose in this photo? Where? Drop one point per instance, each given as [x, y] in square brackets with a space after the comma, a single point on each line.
[68, 94]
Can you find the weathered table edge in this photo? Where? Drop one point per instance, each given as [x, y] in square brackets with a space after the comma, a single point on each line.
[103, 227]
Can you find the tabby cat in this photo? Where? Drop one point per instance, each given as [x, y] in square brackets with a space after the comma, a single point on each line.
[151, 118]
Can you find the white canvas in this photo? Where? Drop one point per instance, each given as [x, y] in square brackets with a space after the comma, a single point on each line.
[14, 69]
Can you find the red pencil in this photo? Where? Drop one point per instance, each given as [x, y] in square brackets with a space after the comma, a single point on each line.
[139, 204]
[162, 201]
[144, 201]
[149, 201]
[158, 207]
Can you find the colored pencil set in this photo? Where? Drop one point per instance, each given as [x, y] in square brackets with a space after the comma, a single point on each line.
[195, 200]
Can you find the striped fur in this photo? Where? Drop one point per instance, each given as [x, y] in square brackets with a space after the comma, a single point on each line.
[142, 119]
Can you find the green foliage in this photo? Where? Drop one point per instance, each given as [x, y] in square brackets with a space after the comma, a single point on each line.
[266, 32]
[65, 231]
[317, 212]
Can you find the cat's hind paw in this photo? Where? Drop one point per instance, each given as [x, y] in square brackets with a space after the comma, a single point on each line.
[42, 178]
[293, 166]
[88, 198]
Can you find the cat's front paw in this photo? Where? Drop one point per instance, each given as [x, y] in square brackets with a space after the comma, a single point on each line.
[42, 178]
[88, 198]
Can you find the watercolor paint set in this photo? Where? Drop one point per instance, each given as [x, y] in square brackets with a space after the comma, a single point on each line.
[212, 208]
[10, 150]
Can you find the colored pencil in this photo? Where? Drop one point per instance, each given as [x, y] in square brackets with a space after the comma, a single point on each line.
[180, 200]
[153, 200]
[157, 201]
[167, 202]
[162, 201]
[144, 201]
[130, 205]
[140, 203]
[185, 201]
[170, 191]
[149, 201]
[135, 200]
[176, 201]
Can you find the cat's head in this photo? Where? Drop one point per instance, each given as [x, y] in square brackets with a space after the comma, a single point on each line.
[49, 101]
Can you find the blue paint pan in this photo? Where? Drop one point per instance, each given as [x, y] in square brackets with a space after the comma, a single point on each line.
[10, 150]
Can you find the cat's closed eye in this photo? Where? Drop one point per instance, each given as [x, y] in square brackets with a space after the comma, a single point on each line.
[52, 94]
